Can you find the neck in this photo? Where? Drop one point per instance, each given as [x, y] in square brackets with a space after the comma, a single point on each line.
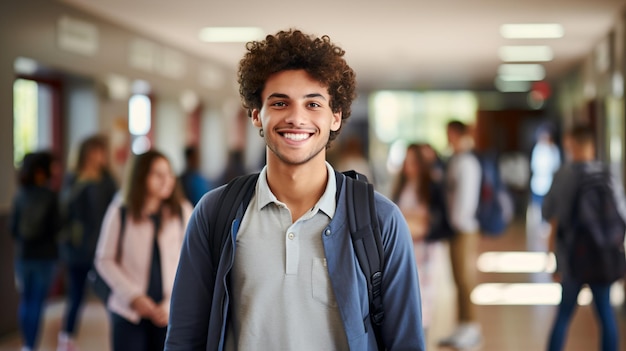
[151, 206]
[90, 172]
[299, 187]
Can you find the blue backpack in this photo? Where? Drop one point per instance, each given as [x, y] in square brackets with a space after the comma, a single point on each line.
[491, 212]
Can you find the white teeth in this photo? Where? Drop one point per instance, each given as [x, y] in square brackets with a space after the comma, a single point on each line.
[296, 136]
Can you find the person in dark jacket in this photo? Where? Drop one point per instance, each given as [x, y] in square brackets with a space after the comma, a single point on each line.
[85, 196]
[34, 226]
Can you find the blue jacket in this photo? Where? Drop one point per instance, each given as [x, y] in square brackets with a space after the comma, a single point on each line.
[200, 301]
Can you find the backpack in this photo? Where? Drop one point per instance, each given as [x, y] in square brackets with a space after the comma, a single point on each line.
[491, 212]
[595, 238]
[439, 227]
[362, 221]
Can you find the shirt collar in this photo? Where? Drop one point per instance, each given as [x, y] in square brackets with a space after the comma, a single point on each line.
[326, 203]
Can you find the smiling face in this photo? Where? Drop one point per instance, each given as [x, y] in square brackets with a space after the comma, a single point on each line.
[296, 118]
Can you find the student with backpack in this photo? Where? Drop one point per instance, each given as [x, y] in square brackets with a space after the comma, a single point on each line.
[138, 250]
[86, 193]
[586, 211]
[289, 274]
[463, 183]
[34, 225]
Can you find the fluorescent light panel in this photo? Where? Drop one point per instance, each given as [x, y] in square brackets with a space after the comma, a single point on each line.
[512, 86]
[230, 34]
[521, 72]
[532, 31]
[526, 53]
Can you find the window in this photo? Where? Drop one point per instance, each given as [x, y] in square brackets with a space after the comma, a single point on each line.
[32, 118]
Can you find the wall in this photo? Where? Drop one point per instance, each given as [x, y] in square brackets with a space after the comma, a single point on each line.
[29, 28]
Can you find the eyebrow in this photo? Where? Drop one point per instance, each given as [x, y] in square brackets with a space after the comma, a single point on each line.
[285, 96]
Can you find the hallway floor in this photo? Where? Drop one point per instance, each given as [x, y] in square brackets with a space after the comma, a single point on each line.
[515, 308]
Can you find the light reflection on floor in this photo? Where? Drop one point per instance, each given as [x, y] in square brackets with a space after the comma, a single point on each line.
[516, 262]
[526, 293]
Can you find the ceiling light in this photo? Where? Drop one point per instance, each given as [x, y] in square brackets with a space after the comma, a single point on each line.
[521, 72]
[532, 31]
[25, 65]
[512, 86]
[528, 53]
[230, 34]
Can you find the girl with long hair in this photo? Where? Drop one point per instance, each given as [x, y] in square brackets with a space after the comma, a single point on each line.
[138, 250]
[420, 199]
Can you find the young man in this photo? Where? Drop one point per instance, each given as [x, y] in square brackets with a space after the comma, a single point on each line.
[463, 191]
[579, 144]
[288, 278]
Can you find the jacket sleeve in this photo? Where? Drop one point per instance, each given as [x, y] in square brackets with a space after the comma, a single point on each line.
[192, 295]
[106, 256]
[402, 326]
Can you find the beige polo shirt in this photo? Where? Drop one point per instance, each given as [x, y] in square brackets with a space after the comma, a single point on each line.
[282, 297]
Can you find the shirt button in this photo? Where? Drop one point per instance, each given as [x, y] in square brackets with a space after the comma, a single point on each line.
[291, 236]
[327, 232]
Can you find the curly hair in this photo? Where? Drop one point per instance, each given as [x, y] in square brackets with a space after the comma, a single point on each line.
[292, 50]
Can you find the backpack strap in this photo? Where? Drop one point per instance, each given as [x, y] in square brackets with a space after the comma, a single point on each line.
[238, 191]
[118, 254]
[366, 241]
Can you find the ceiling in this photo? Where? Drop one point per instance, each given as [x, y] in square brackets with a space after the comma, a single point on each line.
[448, 44]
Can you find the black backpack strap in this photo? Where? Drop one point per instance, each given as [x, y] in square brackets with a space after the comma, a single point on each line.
[367, 242]
[237, 191]
[118, 254]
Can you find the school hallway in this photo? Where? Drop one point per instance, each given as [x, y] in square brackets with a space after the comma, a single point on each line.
[515, 309]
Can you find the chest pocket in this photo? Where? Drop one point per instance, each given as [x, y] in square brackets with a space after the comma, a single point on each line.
[320, 283]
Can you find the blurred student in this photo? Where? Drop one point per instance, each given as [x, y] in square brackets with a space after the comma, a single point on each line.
[420, 199]
[34, 226]
[462, 182]
[150, 221]
[559, 206]
[545, 160]
[433, 161]
[86, 193]
[352, 157]
[194, 184]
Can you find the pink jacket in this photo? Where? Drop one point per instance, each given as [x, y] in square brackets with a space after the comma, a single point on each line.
[129, 277]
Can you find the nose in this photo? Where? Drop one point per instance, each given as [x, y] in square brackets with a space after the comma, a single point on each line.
[297, 115]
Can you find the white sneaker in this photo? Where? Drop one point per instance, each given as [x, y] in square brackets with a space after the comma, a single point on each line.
[466, 336]
[469, 337]
[66, 343]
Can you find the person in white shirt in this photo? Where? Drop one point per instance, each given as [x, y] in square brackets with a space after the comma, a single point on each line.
[462, 181]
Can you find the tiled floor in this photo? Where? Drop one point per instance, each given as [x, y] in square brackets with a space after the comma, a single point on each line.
[506, 327]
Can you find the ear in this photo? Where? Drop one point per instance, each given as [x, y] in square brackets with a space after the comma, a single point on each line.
[255, 118]
[336, 122]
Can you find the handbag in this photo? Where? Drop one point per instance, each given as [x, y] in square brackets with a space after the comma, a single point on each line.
[98, 284]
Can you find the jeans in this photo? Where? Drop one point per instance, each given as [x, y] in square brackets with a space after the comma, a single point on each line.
[127, 336]
[603, 309]
[34, 278]
[77, 274]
